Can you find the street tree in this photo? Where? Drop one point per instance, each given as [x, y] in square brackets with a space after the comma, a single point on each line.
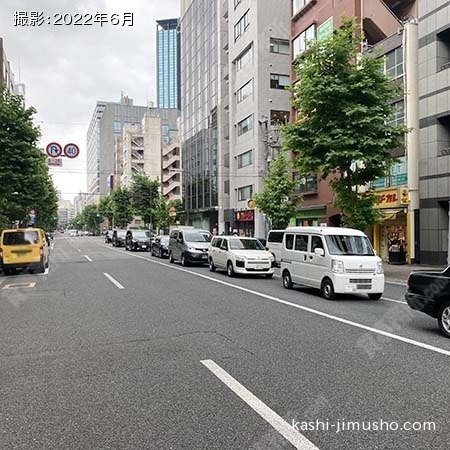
[121, 206]
[343, 130]
[91, 218]
[105, 207]
[180, 216]
[276, 200]
[25, 182]
[146, 199]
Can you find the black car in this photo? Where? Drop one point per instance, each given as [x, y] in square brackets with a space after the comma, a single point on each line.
[429, 292]
[108, 237]
[160, 246]
[118, 238]
[138, 240]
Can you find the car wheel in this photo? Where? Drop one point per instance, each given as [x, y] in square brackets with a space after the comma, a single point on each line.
[47, 264]
[444, 319]
[6, 272]
[212, 267]
[160, 253]
[327, 289]
[40, 267]
[230, 270]
[269, 275]
[375, 296]
[183, 260]
[287, 280]
[171, 260]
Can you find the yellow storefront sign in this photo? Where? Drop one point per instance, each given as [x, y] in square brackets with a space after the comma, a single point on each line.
[387, 198]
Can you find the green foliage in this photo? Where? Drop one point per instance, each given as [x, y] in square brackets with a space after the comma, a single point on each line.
[181, 213]
[344, 104]
[276, 199]
[91, 218]
[26, 183]
[105, 207]
[122, 207]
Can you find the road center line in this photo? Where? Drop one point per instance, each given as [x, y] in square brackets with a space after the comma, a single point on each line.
[289, 433]
[303, 308]
[87, 257]
[392, 300]
[110, 278]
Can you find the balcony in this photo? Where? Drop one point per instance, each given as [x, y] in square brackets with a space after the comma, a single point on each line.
[379, 21]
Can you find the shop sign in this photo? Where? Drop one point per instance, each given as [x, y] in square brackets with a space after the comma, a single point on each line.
[245, 216]
[387, 198]
[325, 30]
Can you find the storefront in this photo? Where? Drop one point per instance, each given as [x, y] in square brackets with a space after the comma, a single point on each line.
[390, 236]
[244, 223]
[308, 217]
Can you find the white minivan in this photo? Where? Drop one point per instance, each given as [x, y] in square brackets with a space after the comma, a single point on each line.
[334, 260]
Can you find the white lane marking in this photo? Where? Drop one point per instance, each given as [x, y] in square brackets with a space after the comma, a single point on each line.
[110, 278]
[287, 431]
[87, 257]
[397, 283]
[47, 270]
[305, 308]
[392, 300]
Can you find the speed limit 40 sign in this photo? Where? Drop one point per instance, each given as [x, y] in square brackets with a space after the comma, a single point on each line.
[71, 150]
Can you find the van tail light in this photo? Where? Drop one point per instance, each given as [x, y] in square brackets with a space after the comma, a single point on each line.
[41, 251]
[1, 253]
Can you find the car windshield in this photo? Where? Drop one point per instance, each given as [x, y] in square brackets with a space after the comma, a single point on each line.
[245, 244]
[164, 240]
[197, 236]
[121, 234]
[349, 245]
[141, 234]
[21, 238]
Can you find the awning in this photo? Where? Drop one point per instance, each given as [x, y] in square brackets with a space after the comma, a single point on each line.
[391, 214]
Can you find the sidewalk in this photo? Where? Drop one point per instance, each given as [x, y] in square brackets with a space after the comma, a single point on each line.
[399, 273]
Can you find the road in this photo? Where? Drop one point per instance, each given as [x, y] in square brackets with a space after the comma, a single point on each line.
[119, 350]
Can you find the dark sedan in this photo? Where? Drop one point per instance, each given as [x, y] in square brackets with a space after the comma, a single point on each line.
[160, 246]
[429, 292]
[138, 240]
[118, 238]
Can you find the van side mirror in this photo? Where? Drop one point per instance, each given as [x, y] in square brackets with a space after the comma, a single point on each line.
[319, 252]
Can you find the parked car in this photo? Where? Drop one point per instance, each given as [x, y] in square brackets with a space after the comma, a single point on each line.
[274, 243]
[189, 246]
[24, 248]
[429, 292]
[241, 255]
[160, 246]
[334, 260]
[108, 237]
[118, 238]
[138, 240]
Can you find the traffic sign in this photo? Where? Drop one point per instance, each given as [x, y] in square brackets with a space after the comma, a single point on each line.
[172, 211]
[53, 150]
[71, 150]
[58, 162]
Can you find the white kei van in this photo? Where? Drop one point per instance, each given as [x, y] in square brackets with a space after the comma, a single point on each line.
[273, 244]
[334, 260]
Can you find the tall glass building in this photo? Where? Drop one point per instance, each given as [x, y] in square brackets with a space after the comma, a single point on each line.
[168, 63]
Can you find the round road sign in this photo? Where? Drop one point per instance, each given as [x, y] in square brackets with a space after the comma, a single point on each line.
[71, 150]
[53, 150]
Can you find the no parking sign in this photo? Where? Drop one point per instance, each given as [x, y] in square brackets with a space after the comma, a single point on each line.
[53, 150]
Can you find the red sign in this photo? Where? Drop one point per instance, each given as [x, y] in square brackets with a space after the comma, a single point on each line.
[245, 216]
[53, 150]
[71, 150]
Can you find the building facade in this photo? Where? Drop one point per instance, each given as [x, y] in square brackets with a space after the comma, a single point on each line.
[434, 162]
[107, 122]
[6, 73]
[168, 63]
[258, 72]
[199, 111]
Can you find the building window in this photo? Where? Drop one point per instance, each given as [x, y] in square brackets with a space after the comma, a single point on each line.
[279, 46]
[279, 81]
[279, 117]
[245, 91]
[245, 193]
[443, 135]
[305, 184]
[245, 159]
[245, 125]
[304, 40]
[394, 63]
[398, 117]
[298, 4]
[241, 26]
[245, 58]
[117, 127]
[226, 187]
[443, 49]
[397, 176]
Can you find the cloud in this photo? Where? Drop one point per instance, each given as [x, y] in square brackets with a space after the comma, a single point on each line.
[66, 69]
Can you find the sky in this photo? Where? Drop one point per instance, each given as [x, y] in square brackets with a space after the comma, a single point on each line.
[67, 68]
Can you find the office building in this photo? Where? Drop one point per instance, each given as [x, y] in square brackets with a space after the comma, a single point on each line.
[107, 122]
[6, 73]
[168, 63]
[434, 162]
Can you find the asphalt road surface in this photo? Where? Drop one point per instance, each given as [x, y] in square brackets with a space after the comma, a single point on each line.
[119, 350]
